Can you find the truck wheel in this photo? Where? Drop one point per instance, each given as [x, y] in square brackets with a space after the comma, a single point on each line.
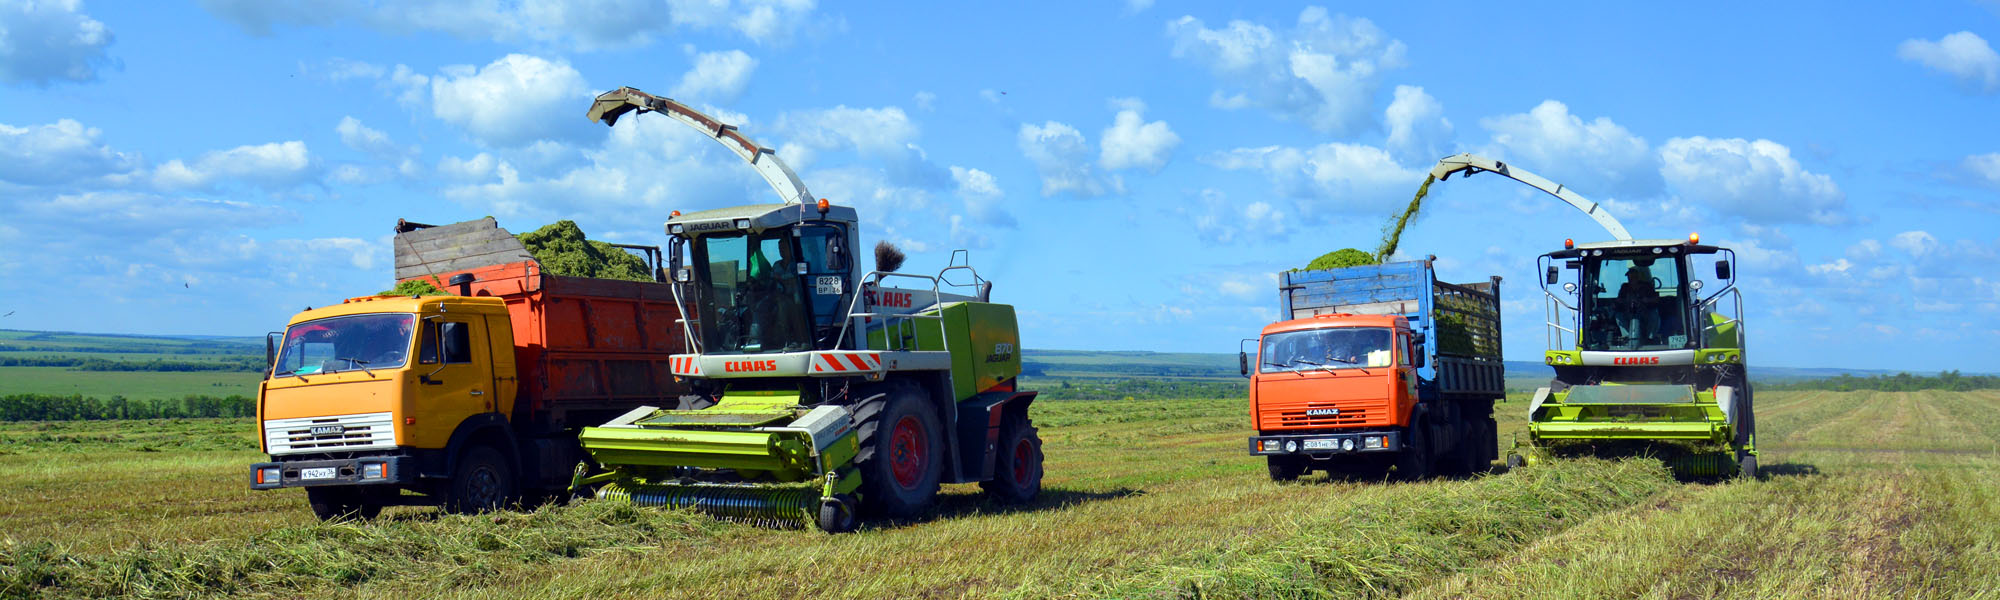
[481, 483]
[341, 503]
[1017, 466]
[1464, 455]
[901, 454]
[1416, 460]
[1491, 446]
[1284, 468]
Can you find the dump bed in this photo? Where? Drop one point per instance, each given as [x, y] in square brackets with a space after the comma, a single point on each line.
[1460, 321]
[587, 349]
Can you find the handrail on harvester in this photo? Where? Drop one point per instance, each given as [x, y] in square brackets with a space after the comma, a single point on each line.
[1471, 163]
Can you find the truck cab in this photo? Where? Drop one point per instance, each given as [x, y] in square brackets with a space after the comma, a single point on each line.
[365, 397]
[1334, 383]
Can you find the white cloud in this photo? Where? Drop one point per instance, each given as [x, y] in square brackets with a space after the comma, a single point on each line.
[926, 101]
[45, 41]
[343, 69]
[967, 236]
[1062, 157]
[1224, 222]
[982, 195]
[1984, 168]
[58, 152]
[1133, 7]
[1758, 180]
[1917, 244]
[1417, 127]
[1131, 142]
[875, 132]
[272, 166]
[1963, 55]
[717, 77]
[513, 101]
[373, 142]
[584, 25]
[1344, 175]
[1324, 72]
[1600, 159]
[133, 216]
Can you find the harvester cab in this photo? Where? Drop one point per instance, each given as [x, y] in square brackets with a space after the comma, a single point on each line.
[819, 391]
[1644, 349]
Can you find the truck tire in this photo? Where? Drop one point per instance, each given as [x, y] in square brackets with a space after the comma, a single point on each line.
[482, 482]
[1414, 463]
[1017, 462]
[341, 503]
[1491, 445]
[901, 457]
[1284, 468]
[1464, 455]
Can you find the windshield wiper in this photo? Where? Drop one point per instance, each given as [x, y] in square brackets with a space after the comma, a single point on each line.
[359, 363]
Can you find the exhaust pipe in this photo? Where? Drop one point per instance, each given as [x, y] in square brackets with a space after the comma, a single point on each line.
[464, 283]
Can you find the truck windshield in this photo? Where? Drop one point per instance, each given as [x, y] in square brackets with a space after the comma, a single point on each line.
[1332, 348]
[1634, 304]
[750, 301]
[350, 343]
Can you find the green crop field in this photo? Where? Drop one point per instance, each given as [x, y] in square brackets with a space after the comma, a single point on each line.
[1866, 494]
[130, 384]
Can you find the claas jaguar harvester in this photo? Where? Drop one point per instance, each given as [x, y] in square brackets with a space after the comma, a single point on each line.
[471, 400]
[1643, 350]
[1377, 367]
[819, 392]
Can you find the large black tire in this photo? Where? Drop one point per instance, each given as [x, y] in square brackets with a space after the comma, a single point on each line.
[342, 503]
[1416, 460]
[482, 482]
[902, 453]
[1017, 462]
[1285, 468]
[1491, 445]
[1465, 451]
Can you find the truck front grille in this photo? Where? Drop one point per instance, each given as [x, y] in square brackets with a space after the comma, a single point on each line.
[340, 433]
[1305, 418]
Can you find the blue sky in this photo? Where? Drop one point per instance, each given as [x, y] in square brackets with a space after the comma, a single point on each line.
[1131, 174]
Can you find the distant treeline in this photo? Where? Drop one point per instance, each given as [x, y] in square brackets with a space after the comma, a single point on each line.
[248, 364]
[1042, 369]
[205, 349]
[1112, 389]
[50, 407]
[1900, 382]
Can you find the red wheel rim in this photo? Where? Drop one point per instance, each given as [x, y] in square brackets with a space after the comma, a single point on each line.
[1023, 451]
[907, 456]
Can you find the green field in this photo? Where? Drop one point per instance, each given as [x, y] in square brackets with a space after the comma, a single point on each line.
[1865, 495]
[130, 384]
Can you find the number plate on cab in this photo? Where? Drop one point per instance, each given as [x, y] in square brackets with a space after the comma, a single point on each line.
[320, 473]
[1320, 444]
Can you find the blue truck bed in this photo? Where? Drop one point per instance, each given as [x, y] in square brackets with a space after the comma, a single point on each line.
[1460, 321]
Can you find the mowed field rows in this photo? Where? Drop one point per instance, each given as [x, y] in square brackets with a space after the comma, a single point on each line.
[1865, 495]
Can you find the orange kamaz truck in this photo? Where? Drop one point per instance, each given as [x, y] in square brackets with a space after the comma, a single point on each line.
[470, 400]
[1377, 368]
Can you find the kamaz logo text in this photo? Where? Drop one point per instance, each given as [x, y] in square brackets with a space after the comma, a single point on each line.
[741, 366]
[1322, 412]
[1635, 360]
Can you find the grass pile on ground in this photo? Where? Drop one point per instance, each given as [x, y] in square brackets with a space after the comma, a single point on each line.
[562, 250]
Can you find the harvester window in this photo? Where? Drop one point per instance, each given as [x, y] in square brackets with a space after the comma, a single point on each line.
[1636, 304]
[751, 300]
[1326, 349]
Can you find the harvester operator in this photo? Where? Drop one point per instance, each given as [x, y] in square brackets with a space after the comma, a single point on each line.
[1638, 304]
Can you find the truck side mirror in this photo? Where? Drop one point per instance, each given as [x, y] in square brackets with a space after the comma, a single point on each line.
[271, 352]
[1722, 270]
[1243, 363]
[836, 255]
[1552, 275]
[674, 253]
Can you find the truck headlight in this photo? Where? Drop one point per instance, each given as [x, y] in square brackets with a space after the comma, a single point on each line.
[1372, 442]
[1291, 446]
[1347, 444]
[269, 475]
[374, 470]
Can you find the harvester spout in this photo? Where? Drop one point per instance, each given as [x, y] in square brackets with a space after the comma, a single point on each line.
[611, 105]
[1471, 163]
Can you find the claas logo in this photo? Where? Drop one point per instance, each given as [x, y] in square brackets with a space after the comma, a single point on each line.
[742, 366]
[895, 299]
[1635, 360]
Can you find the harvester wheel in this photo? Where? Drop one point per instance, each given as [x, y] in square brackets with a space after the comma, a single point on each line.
[900, 454]
[1746, 466]
[1017, 466]
[1516, 461]
[1416, 460]
[836, 514]
[341, 503]
[481, 483]
[1285, 468]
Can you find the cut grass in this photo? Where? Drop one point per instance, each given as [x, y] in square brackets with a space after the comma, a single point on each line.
[1867, 495]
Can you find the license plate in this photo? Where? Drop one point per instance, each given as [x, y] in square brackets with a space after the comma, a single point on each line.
[321, 473]
[827, 285]
[1320, 444]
